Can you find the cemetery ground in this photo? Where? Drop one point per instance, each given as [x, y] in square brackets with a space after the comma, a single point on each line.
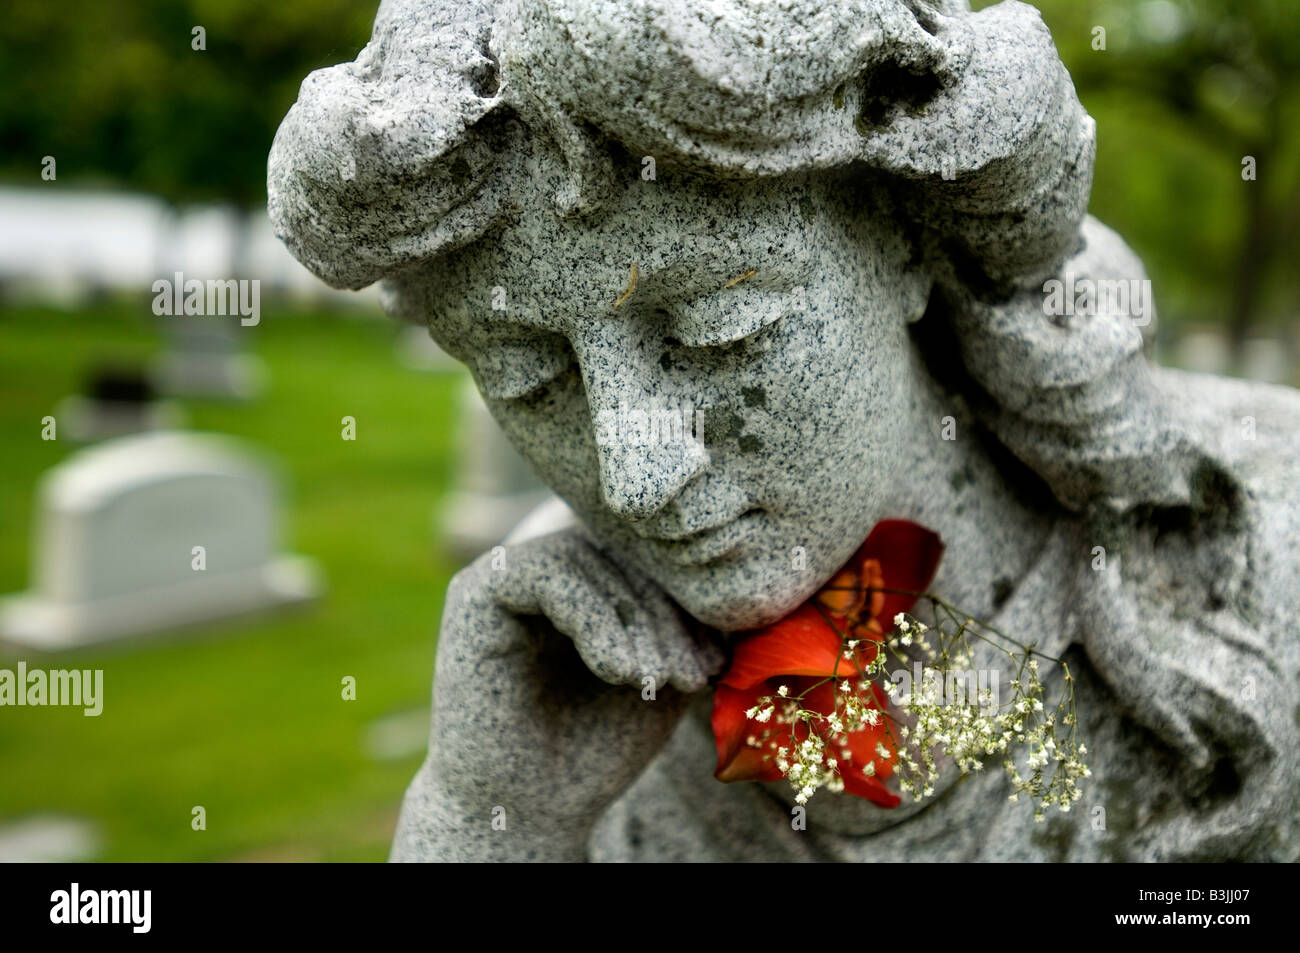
[245, 718]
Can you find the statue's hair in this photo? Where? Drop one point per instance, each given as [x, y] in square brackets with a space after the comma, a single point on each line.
[417, 149]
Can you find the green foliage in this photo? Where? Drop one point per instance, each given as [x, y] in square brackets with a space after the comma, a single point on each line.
[115, 92]
[1184, 91]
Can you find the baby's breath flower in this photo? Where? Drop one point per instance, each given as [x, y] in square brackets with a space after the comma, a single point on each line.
[940, 716]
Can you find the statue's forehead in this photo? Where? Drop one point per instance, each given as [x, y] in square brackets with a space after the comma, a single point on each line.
[682, 239]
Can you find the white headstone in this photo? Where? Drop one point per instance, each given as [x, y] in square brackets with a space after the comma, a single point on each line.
[1266, 359]
[115, 550]
[48, 839]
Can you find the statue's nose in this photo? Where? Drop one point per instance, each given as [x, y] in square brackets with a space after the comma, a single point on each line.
[648, 438]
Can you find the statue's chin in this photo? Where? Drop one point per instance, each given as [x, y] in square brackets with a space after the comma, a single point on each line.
[732, 608]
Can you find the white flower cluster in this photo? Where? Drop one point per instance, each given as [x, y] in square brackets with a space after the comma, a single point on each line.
[1029, 725]
[965, 729]
[933, 721]
[815, 761]
[908, 631]
[970, 730]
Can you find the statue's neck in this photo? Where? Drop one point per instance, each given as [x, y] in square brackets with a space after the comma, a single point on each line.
[992, 528]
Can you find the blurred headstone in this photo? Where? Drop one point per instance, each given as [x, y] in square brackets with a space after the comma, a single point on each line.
[495, 488]
[48, 839]
[1204, 350]
[149, 532]
[118, 401]
[205, 358]
[1266, 359]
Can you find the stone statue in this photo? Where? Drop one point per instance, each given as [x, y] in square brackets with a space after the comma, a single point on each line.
[836, 232]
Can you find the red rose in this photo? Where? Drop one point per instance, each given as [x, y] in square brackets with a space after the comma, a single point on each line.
[808, 647]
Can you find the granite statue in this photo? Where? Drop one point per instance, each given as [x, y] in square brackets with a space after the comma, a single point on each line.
[839, 251]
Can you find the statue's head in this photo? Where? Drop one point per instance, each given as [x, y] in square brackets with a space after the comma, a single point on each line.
[685, 249]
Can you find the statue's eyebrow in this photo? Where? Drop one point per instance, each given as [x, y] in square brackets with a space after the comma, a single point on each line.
[692, 275]
[631, 287]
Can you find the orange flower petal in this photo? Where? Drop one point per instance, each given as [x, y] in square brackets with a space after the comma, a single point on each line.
[908, 556]
[737, 761]
[807, 644]
[803, 643]
[844, 594]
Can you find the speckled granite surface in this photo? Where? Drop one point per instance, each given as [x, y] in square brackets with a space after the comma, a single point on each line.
[739, 280]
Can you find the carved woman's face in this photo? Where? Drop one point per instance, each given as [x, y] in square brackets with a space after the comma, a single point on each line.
[734, 420]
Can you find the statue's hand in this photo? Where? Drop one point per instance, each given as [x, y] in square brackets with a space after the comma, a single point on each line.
[559, 677]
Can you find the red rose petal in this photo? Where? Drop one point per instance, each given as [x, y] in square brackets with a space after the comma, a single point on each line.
[802, 643]
[737, 761]
[909, 557]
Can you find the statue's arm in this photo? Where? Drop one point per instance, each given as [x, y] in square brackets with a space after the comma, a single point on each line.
[436, 825]
[559, 677]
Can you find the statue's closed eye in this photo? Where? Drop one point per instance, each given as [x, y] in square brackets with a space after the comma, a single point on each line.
[734, 316]
[756, 341]
[733, 321]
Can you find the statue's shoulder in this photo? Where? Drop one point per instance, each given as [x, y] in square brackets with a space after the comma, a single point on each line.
[1253, 430]
[1252, 427]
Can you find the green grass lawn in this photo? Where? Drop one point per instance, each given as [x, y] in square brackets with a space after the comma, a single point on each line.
[246, 717]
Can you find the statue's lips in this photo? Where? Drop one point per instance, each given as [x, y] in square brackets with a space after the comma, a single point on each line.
[710, 544]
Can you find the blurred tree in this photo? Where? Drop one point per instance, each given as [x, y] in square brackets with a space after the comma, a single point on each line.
[1184, 91]
[116, 91]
